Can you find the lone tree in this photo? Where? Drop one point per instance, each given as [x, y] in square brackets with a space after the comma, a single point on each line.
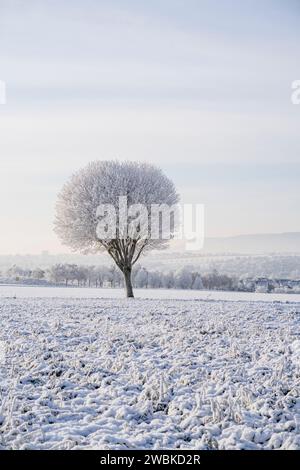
[91, 218]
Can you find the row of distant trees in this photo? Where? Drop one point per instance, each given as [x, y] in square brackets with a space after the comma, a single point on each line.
[110, 276]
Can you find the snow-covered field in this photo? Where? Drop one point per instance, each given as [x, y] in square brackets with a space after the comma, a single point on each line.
[21, 291]
[116, 374]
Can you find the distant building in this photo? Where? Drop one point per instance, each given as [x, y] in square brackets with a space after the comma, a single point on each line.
[263, 285]
[247, 285]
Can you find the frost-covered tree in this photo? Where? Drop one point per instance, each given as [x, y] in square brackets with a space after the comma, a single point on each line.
[57, 273]
[197, 284]
[80, 274]
[141, 278]
[168, 280]
[100, 274]
[91, 275]
[154, 280]
[104, 182]
[15, 272]
[184, 278]
[38, 273]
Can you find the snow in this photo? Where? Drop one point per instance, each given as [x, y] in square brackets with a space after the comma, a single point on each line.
[22, 291]
[123, 373]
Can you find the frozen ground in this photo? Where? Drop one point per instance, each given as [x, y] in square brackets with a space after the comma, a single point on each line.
[118, 374]
[20, 291]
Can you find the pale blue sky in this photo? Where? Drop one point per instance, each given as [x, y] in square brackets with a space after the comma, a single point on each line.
[201, 88]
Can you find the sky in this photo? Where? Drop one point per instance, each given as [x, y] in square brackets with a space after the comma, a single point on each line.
[201, 88]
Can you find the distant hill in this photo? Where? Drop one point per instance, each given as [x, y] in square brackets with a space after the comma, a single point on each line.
[255, 244]
[273, 243]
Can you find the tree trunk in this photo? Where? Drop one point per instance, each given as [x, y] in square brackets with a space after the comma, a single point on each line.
[128, 285]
